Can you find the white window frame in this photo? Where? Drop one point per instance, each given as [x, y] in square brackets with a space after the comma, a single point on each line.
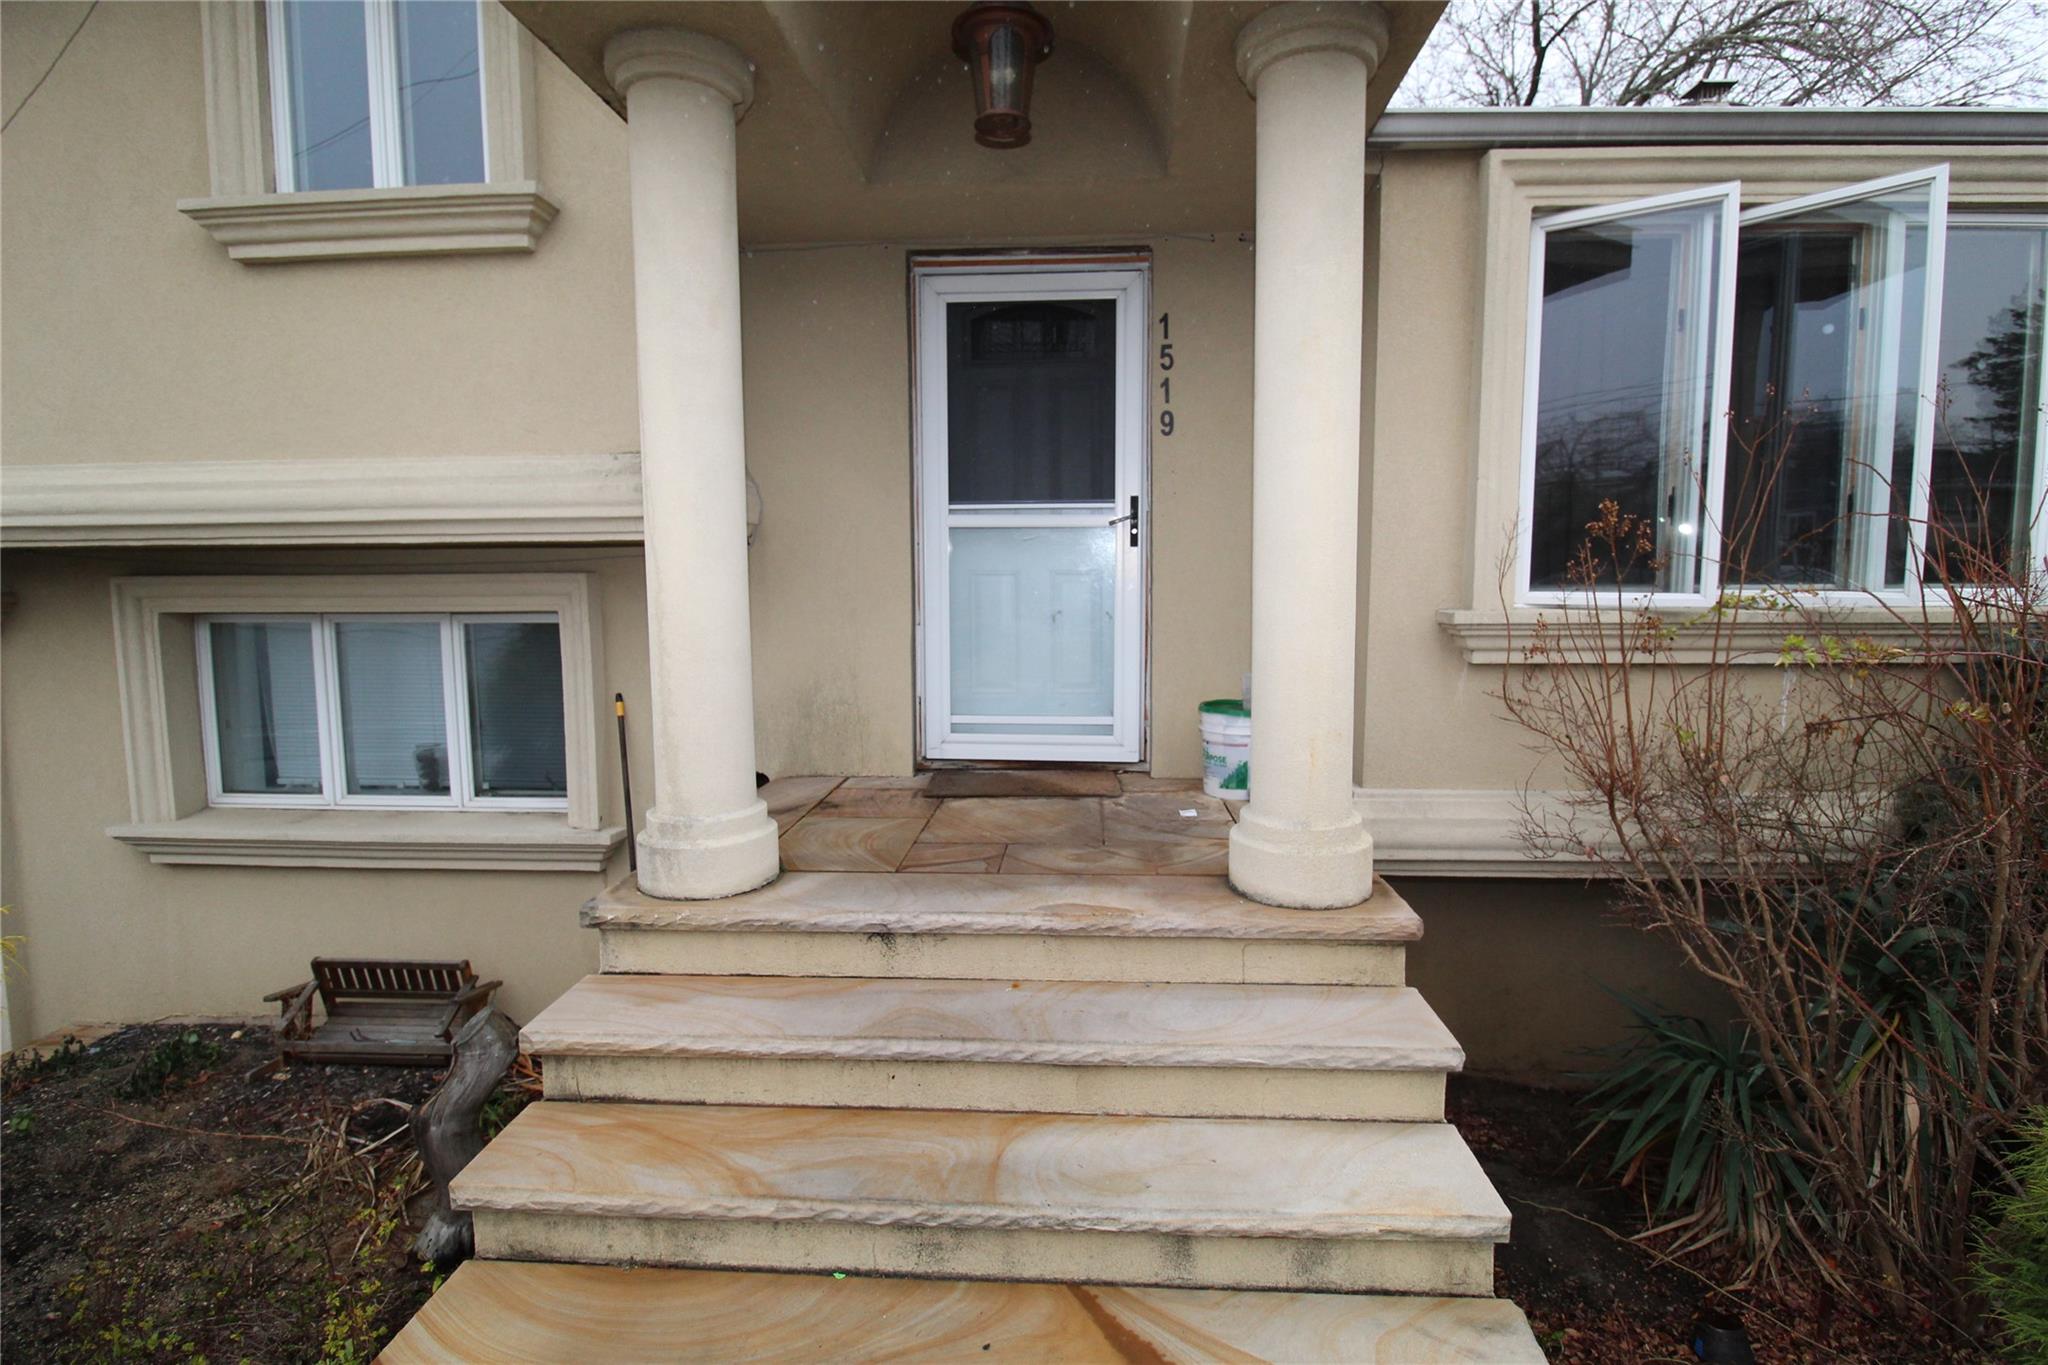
[387, 129]
[1711, 586]
[1716, 359]
[333, 763]
[253, 212]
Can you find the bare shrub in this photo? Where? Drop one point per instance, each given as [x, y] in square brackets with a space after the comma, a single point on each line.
[1854, 844]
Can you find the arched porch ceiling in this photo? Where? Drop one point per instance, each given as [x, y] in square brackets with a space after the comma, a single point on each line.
[861, 127]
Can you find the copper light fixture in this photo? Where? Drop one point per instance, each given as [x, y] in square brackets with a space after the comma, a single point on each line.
[1002, 42]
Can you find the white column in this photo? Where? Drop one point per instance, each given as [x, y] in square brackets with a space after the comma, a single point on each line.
[1300, 841]
[707, 833]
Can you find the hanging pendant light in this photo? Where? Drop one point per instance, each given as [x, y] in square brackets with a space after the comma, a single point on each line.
[1001, 43]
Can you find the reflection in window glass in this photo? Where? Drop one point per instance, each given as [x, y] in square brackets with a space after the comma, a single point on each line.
[394, 726]
[515, 708]
[440, 102]
[1985, 435]
[266, 707]
[1623, 389]
[329, 92]
[1031, 401]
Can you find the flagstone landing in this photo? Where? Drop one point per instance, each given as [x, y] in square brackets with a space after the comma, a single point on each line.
[526, 1313]
[1139, 825]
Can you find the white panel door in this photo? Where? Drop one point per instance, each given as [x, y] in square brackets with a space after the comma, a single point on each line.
[1032, 529]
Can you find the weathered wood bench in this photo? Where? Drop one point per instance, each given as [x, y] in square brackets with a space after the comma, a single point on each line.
[379, 1011]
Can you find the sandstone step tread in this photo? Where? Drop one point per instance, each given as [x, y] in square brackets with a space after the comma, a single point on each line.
[1061, 1023]
[518, 1311]
[970, 903]
[952, 1169]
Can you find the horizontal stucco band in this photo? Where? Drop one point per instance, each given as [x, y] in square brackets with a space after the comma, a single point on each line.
[412, 500]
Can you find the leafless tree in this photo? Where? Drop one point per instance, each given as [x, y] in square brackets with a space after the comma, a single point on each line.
[1775, 52]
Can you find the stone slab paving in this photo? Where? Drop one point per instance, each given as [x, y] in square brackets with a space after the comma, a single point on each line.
[905, 1168]
[1137, 825]
[1178, 908]
[527, 1313]
[1058, 1023]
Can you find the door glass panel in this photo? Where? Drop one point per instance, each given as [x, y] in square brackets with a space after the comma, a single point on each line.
[394, 719]
[1991, 380]
[1031, 401]
[1033, 626]
[1623, 396]
[328, 85]
[1830, 310]
[265, 707]
[440, 99]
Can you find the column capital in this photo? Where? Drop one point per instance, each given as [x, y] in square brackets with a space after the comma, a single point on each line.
[1291, 29]
[679, 54]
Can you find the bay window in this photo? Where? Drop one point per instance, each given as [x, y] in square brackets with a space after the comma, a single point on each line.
[413, 710]
[1789, 398]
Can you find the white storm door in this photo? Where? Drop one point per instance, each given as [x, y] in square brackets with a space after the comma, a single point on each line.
[1032, 522]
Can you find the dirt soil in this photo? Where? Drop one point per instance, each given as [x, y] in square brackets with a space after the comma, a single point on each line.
[1596, 1296]
[174, 1193]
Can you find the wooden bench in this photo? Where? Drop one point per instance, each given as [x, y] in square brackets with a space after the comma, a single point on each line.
[379, 1011]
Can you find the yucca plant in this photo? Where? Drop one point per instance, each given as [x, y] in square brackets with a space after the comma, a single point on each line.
[1701, 1130]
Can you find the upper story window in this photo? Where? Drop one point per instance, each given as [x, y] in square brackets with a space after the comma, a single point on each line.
[412, 710]
[1789, 396]
[376, 93]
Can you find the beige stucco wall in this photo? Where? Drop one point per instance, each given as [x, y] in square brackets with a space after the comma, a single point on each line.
[110, 935]
[1523, 972]
[1426, 718]
[828, 440]
[128, 335]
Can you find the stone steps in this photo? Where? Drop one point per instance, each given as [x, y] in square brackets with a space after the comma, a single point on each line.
[1239, 1203]
[511, 1311]
[974, 926]
[1263, 1051]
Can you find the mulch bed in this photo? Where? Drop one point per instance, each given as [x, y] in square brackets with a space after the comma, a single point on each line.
[1595, 1295]
[172, 1193]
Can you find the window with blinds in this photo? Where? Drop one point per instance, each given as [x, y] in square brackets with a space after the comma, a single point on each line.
[419, 710]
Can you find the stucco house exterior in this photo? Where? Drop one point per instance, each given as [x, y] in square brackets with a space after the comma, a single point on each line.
[387, 386]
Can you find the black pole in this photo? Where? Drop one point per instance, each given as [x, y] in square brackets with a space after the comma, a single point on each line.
[626, 782]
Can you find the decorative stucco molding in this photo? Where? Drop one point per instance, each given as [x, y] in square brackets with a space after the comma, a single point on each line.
[258, 225]
[680, 54]
[1290, 30]
[160, 726]
[1504, 637]
[465, 841]
[1444, 832]
[437, 500]
[411, 221]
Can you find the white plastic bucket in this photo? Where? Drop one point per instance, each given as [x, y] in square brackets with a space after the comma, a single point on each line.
[1227, 749]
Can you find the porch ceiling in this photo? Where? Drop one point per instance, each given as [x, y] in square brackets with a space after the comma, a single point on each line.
[861, 124]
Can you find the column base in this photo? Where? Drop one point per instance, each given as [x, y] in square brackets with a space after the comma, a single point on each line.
[1298, 867]
[704, 859]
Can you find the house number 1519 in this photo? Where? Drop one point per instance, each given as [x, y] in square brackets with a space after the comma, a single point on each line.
[1165, 380]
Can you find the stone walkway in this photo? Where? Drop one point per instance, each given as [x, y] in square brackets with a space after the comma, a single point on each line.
[1157, 827]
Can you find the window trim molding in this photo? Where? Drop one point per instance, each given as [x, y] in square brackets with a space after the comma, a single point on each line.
[166, 772]
[257, 224]
[1518, 184]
